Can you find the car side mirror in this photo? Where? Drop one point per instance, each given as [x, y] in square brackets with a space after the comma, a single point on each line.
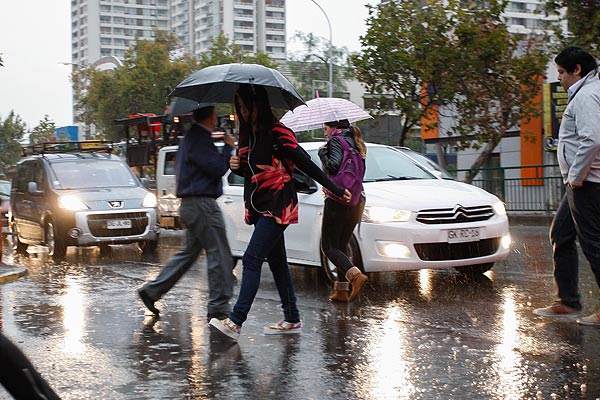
[32, 188]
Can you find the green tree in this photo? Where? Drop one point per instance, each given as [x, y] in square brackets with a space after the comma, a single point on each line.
[409, 71]
[310, 66]
[457, 57]
[583, 22]
[12, 130]
[149, 73]
[222, 51]
[43, 132]
[141, 85]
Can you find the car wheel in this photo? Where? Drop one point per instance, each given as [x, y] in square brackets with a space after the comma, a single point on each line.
[473, 270]
[56, 247]
[148, 246]
[353, 252]
[18, 246]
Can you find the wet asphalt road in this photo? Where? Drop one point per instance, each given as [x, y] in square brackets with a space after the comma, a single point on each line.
[413, 335]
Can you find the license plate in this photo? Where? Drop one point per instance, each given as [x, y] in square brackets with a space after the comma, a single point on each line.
[463, 235]
[118, 223]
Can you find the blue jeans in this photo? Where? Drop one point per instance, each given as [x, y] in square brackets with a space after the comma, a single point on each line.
[267, 243]
[577, 217]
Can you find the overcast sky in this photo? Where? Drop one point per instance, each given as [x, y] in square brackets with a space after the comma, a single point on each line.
[35, 39]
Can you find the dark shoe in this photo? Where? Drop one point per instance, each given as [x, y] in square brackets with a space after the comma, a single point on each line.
[220, 316]
[357, 280]
[148, 302]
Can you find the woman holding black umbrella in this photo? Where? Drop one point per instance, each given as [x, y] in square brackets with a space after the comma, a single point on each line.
[268, 153]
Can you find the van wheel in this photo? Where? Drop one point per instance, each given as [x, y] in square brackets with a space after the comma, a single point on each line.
[352, 251]
[18, 246]
[148, 246]
[56, 247]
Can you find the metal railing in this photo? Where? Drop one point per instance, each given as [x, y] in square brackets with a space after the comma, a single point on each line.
[525, 188]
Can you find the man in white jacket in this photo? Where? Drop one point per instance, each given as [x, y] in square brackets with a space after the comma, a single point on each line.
[578, 215]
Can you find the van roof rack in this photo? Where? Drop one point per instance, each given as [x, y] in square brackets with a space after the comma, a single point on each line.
[104, 146]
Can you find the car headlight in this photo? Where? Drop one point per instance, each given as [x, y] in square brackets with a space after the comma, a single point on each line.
[71, 203]
[499, 208]
[379, 215]
[149, 201]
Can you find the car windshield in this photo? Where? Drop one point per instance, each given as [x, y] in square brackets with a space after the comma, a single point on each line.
[4, 188]
[387, 164]
[428, 163]
[91, 174]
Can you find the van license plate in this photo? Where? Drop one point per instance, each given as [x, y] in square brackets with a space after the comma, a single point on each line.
[118, 224]
[463, 235]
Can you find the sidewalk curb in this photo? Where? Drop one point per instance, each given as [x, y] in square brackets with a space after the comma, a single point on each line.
[12, 274]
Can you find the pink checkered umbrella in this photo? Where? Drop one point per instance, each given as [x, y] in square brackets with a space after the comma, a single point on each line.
[320, 110]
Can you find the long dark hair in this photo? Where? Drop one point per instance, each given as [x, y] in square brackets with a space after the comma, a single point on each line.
[255, 99]
[356, 134]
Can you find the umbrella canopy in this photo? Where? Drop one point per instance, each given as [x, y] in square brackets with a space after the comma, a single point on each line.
[218, 84]
[180, 106]
[320, 110]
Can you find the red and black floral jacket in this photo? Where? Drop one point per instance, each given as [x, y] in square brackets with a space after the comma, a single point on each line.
[268, 186]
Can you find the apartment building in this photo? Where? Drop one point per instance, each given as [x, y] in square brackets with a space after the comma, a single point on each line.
[102, 28]
[252, 24]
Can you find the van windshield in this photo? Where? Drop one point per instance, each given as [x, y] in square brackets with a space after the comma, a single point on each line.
[91, 174]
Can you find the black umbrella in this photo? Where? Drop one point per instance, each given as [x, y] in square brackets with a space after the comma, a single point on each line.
[218, 84]
[180, 106]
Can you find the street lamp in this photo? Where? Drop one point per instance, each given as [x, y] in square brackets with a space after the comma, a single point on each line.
[330, 85]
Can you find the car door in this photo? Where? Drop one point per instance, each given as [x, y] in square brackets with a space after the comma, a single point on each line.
[23, 201]
[232, 206]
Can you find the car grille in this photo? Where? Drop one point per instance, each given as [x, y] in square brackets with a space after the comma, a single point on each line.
[458, 214]
[97, 224]
[456, 251]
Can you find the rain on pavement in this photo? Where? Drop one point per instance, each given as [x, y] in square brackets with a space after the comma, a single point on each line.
[412, 335]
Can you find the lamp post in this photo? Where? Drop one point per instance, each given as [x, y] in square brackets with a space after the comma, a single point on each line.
[330, 84]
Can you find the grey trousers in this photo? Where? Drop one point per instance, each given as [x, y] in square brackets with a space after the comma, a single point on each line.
[205, 230]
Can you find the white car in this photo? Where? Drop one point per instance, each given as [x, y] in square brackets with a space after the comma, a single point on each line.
[412, 220]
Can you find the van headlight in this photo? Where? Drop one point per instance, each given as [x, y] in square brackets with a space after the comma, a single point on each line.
[71, 203]
[149, 201]
[499, 208]
[379, 215]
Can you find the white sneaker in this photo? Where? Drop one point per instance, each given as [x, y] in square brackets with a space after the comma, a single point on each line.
[226, 327]
[283, 328]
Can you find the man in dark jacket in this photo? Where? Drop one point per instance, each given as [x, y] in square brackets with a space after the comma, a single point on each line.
[200, 168]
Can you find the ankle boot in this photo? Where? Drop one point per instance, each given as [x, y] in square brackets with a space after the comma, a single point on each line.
[340, 293]
[357, 279]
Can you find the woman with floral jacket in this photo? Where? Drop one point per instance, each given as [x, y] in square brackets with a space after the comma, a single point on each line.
[267, 156]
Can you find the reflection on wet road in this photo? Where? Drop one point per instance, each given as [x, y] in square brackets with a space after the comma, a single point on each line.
[413, 335]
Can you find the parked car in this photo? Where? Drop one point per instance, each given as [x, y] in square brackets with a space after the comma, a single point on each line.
[80, 199]
[412, 220]
[4, 206]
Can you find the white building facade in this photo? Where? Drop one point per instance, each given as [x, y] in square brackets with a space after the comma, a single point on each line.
[255, 25]
[101, 28]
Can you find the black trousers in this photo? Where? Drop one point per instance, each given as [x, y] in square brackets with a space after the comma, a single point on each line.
[339, 221]
[577, 217]
[19, 377]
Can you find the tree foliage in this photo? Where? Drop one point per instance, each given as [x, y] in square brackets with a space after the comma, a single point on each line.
[452, 57]
[12, 130]
[149, 73]
[583, 21]
[141, 85]
[43, 132]
[310, 66]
